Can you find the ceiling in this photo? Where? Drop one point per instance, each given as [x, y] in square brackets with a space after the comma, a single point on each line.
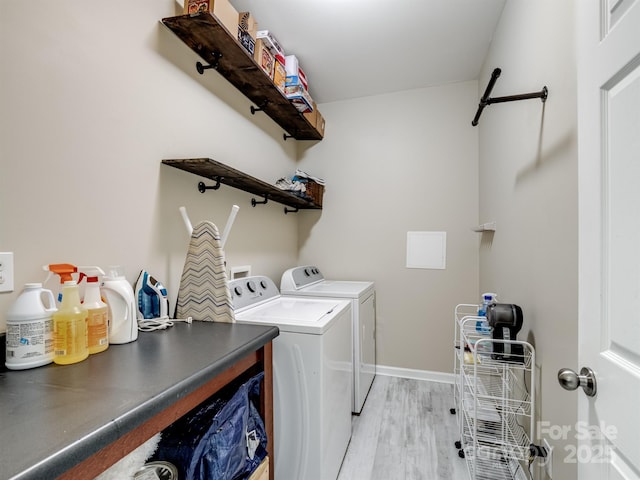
[356, 48]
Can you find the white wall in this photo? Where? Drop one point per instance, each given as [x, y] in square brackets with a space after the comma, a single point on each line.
[93, 98]
[94, 95]
[396, 163]
[528, 185]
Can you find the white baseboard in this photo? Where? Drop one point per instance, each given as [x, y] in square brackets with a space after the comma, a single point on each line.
[415, 374]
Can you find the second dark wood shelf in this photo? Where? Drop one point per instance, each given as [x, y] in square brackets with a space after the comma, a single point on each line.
[216, 171]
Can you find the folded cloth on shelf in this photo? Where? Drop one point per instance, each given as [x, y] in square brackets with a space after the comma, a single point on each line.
[304, 175]
[288, 184]
[204, 290]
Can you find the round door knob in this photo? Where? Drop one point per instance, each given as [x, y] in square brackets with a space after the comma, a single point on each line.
[570, 380]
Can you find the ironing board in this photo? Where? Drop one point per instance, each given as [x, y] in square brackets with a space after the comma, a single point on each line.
[204, 291]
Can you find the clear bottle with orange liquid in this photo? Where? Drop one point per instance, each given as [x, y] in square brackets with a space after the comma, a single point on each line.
[98, 311]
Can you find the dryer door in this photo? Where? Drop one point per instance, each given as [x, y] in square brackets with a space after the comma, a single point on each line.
[367, 351]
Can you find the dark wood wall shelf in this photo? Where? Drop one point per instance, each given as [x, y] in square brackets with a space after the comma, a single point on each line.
[219, 172]
[212, 41]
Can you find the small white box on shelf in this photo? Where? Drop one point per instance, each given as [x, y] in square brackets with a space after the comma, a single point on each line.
[270, 42]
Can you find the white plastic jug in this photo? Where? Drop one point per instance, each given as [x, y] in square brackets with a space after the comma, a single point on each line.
[30, 328]
[123, 326]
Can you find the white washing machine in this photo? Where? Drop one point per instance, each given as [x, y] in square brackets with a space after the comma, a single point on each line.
[312, 374]
[308, 281]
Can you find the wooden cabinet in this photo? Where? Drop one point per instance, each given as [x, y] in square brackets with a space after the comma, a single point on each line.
[75, 421]
[219, 48]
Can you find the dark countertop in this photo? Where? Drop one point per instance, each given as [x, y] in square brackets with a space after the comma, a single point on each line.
[53, 417]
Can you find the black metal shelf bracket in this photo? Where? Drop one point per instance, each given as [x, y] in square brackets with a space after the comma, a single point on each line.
[286, 135]
[295, 210]
[203, 188]
[255, 202]
[486, 100]
[200, 67]
[260, 107]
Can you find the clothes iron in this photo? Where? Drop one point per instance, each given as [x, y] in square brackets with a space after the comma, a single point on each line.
[505, 320]
[151, 298]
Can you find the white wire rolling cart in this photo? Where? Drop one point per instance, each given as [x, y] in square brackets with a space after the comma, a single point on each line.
[494, 400]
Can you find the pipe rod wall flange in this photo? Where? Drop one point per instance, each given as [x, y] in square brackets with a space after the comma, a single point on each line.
[260, 107]
[255, 202]
[200, 67]
[203, 188]
[544, 94]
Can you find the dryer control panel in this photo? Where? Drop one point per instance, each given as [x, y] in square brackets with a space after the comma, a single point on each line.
[299, 277]
[249, 291]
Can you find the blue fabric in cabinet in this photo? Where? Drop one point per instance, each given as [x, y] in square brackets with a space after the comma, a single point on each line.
[210, 442]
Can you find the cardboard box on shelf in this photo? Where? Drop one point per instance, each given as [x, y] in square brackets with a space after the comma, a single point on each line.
[195, 6]
[264, 58]
[246, 41]
[279, 73]
[319, 123]
[221, 9]
[316, 119]
[247, 28]
[292, 66]
[271, 42]
[300, 98]
[247, 23]
[312, 117]
[293, 80]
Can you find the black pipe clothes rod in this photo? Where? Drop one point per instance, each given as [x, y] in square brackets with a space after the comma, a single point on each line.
[486, 100]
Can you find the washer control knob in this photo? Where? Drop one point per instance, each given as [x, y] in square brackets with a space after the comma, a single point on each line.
[251, 286]
[238, 290]
[307, 272]
[263, 284]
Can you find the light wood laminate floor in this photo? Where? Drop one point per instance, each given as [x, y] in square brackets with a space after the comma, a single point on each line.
[405, 432]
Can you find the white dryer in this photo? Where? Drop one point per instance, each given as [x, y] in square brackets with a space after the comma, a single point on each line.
[308, 281]
[312, 374]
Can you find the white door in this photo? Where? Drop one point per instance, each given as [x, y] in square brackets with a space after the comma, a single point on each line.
[608, 431]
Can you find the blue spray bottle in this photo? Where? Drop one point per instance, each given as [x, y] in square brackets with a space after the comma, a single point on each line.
[487, 299]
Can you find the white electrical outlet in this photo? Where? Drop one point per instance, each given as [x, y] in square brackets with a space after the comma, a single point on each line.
[548, 461]
[6, 272]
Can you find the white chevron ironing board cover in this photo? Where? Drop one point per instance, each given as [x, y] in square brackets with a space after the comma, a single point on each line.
[204, 291]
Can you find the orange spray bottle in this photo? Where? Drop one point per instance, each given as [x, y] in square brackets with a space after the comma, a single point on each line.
[65, 271]
[70, 339]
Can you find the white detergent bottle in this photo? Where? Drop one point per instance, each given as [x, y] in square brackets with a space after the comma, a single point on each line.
[30, 328]
[123, 327]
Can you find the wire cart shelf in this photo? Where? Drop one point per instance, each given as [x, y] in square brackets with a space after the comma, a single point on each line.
[494, 399]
